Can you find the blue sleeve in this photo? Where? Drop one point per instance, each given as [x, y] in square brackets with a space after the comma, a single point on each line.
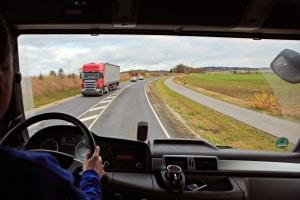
[90, 185]
[48, 179]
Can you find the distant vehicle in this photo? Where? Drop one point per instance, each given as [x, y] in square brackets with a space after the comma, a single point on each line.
[141, 78]
[99, 78]
[133, 79]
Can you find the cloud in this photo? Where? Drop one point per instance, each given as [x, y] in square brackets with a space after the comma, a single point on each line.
[43, 53]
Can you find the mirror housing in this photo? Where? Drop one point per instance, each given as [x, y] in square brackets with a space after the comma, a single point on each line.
[287, 65]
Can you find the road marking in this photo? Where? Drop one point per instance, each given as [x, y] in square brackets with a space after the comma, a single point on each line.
[88, 118]
[106, 101]
[35, 110]
[106, 106]
[98, 108]
[162, 126]
[35, 127]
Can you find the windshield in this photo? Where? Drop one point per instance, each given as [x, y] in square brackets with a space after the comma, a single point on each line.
[221, 90]
[90, 75]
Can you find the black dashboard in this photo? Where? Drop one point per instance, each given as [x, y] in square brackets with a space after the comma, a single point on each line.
[117, 154]
[140, 170]
[66, 139]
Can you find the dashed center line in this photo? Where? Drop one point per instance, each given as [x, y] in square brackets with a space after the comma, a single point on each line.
[97, 108]
[88, 118]
[105, 101]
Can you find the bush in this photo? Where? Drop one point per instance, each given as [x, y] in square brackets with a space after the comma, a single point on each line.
[265, 101]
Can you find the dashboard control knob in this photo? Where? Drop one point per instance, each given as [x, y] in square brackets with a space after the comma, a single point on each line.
[106, 163]
[138, 165]
[117, 196]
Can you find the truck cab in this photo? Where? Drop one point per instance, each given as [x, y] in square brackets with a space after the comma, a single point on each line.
[99, 78]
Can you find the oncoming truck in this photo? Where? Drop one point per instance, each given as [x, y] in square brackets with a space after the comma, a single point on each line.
[99, 78]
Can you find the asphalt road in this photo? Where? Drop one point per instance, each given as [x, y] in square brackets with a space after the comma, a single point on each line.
[272, 125]
[117, 113]
[114, 114]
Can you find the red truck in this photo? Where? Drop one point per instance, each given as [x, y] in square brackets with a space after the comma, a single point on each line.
[99, 78]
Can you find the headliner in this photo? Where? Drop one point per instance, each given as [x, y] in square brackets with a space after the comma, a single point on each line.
[255, 19]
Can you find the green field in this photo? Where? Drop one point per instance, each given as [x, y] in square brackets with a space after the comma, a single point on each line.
[215, 127]
[262, 92]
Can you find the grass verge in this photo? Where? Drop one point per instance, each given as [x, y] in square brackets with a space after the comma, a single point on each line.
[53, 97]
[213, 126]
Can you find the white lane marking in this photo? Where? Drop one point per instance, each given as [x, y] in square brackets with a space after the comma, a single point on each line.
[106, 101]
[162, 126]
[98, 108]
[35, 110]
[88, 118]
[88, 110]
[31, 112]
[106, 106]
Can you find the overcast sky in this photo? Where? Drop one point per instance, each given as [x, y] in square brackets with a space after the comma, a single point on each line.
[43, 53]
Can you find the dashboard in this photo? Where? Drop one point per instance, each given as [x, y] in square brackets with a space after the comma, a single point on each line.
[66, 139]
[117, 154]
[179, 168]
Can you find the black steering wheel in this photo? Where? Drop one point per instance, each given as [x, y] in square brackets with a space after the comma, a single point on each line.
[72, 164]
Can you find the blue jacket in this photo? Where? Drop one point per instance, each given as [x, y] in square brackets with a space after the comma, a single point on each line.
[27, 175]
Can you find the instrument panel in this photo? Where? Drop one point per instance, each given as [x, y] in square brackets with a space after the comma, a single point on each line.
[66, 139]
[117, 155]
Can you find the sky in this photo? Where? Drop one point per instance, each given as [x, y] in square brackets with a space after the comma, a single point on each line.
[39, 54]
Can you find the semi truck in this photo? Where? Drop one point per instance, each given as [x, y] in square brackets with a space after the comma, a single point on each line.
[99, 78]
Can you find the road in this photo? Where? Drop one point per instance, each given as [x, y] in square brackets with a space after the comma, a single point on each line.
[114, 114]
[117, 113]
[272, 125]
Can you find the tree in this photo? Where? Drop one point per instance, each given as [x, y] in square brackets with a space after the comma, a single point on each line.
[61, 72]
[185, 69]
[41, 77]
[52, 73]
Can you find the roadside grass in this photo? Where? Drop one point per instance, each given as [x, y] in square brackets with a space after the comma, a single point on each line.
[214, 126]
[262, 92]
[42, 90]
[56, 96]
[48, 89]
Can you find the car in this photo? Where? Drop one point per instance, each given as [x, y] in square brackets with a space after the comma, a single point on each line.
[218, 116]
[141, 77]
[133, 79]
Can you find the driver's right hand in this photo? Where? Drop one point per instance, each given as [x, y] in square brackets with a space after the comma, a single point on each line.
[94, 162]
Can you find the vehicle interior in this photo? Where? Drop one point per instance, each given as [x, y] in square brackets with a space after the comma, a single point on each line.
[157, 167]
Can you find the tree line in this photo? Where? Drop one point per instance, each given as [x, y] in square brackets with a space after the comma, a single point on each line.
[186, 69]
[181, 68]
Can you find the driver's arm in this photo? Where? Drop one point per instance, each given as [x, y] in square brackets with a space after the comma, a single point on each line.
[93, 171]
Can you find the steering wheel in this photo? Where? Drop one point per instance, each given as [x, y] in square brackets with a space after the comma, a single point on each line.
[68, 161]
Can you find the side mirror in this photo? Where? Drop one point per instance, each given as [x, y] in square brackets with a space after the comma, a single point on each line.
[81, 75]
[287, 66]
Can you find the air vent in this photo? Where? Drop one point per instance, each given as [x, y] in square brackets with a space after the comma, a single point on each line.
[206, 163]
[180, 161]
[193, 163]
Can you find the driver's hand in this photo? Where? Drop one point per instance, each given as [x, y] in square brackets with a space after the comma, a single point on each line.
[94, 162]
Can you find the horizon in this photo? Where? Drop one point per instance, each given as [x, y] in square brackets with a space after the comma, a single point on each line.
[39, 54]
